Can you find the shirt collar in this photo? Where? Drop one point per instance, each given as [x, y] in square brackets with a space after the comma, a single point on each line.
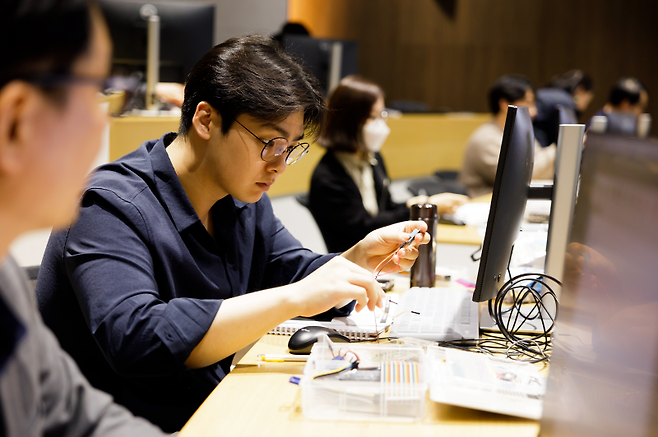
[171, 191]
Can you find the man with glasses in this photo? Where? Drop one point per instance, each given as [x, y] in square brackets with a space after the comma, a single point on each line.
[177, 260]
[56, 55]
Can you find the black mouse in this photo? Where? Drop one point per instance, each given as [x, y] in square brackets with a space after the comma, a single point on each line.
[303, 340]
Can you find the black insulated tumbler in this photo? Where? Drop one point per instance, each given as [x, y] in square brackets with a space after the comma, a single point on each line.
[423, 272]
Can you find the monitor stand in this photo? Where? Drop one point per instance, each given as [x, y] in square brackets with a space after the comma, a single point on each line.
[529, 306]
[528, 327]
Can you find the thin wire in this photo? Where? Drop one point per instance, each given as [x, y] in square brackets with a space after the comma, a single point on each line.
[515, 345]
[522, 288]
[407, 311]
[405, 243]
[385, 261]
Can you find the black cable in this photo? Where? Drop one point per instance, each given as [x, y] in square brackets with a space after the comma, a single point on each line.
[524, 294]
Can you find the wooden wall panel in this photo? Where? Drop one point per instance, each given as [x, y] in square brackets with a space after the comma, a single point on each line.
[419, 50]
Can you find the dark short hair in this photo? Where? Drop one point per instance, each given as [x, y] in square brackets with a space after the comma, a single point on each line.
[252, 75]
[42, 37]
[626, 88]
[571, 80]
[349, 107]
[510, 87]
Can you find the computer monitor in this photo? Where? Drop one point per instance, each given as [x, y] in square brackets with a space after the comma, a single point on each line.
[186, 34]
[510, 193]
[563, 196]
[329, 60]
[603, 378]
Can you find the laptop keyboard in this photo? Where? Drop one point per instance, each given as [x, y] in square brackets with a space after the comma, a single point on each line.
[445, 314]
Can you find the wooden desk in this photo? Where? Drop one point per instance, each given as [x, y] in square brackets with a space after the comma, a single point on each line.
[451, 234]
[419, 145]
[257, 399]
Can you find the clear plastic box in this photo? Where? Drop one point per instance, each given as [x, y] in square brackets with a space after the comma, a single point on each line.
[388, 384]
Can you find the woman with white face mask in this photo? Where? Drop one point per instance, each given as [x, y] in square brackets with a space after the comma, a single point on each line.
[349, 194]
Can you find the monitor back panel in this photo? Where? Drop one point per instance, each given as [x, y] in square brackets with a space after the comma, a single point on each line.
[604, 376]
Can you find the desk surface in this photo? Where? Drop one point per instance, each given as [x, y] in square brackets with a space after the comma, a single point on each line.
[451, 234]
[419, 145]
[256, 399]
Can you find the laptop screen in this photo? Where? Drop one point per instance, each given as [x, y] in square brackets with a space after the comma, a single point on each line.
[603, 378]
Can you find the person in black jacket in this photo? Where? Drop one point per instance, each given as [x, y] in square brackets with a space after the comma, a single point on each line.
[349, 195]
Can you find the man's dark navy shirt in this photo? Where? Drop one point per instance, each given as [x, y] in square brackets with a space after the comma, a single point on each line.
[134, 285]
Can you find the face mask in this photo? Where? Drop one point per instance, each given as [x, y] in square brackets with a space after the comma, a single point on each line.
[374, 134]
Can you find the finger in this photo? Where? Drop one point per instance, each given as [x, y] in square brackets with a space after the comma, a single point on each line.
[361, 299]
[351, 292]
[368, 285]
[376, 296]
[410, 225]
[423, 238]
[406, 260]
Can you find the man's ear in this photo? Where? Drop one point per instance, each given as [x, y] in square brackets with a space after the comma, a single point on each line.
[502, 105]
[203, 119]
[18, 118]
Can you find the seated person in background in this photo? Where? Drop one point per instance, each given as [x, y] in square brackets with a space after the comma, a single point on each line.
[627, 100]
[572, 91]
[349, 194]
[51, 127]
[170, 92]
[627, 95]
[288, 28]
[177, 260]
[483, 146]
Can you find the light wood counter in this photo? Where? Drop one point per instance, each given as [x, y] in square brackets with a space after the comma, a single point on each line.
[257, 399]
[419, 145]
[451, 234]
[128, 133]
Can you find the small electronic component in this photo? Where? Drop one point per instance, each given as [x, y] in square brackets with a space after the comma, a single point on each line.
[411, 238]
[378, 269]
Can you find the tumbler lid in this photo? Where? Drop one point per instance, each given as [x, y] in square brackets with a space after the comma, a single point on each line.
[423, 211]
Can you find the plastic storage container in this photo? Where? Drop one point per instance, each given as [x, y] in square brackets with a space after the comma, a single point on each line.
[389, 382]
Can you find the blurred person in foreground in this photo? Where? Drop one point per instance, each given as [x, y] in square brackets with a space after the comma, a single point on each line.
[478, 171]
[349, 194]
[177, 260]
[55, 59]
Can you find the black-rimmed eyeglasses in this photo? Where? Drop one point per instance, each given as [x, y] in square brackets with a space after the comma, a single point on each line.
[277, 147]
[53, 80]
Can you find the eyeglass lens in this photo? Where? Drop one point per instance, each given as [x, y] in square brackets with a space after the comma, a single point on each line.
[279, 146]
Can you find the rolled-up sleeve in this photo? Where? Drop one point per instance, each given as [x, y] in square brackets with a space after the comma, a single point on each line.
[110, 265]
[290, 262]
